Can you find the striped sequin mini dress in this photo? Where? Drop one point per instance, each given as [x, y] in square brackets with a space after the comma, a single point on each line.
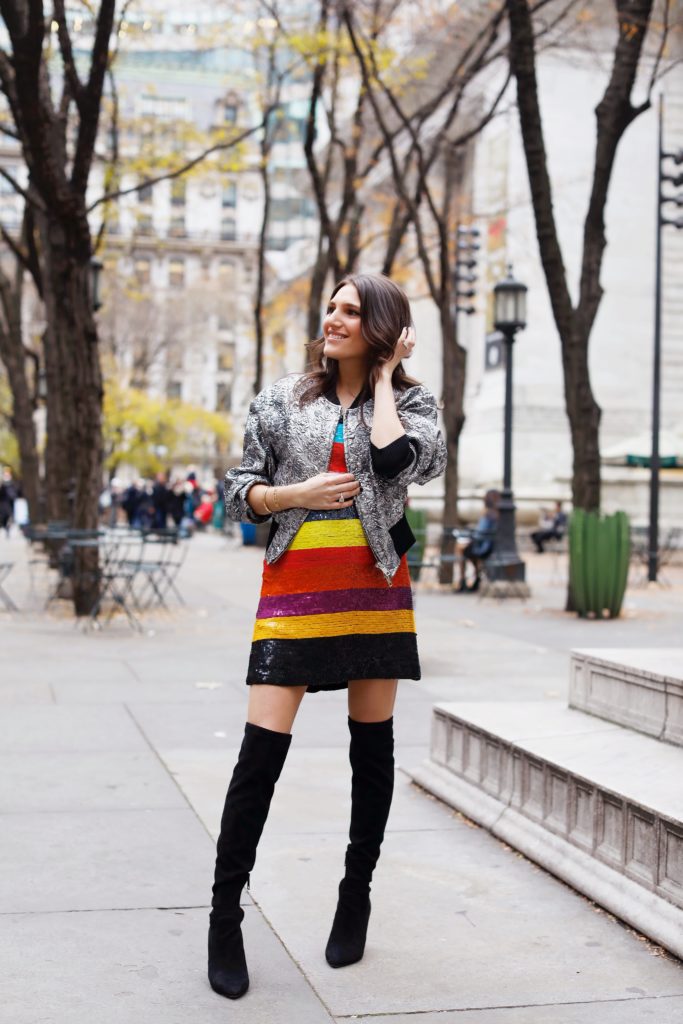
[326, 613]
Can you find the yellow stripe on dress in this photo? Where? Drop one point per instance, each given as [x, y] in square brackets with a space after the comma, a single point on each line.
[329, 533]
[300, 627]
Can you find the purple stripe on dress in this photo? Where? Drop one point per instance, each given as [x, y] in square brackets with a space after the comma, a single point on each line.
[373, 599]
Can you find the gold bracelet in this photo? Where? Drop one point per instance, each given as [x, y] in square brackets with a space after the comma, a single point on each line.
[268, 509]
[276, 500]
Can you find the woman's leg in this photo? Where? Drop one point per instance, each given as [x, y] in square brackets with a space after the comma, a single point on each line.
[274, 707]
[371, 753]
[460, 551]
[272, 710]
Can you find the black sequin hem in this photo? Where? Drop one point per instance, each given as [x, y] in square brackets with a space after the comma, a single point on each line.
[327, 663]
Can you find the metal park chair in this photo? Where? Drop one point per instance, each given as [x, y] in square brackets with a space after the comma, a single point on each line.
[5, 570]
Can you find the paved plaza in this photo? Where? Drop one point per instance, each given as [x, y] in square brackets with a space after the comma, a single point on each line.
[115, 753]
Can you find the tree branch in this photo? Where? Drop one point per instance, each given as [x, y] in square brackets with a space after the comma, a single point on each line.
[89, 106]
[168, 175]
[8, 131]
[11, 244]
[70, 72]
[523, 66]
[33, 200]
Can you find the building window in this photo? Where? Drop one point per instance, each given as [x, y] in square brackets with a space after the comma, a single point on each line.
[163, 108]
[230, 113]
[223, 397]
[228, 229]
[176, 273]
[229, 194]
[177, 226]
[287, 209]
[143, 271]
[226, 357]
[178, 191]
[174, 389]
[145, 193]
[144, 224]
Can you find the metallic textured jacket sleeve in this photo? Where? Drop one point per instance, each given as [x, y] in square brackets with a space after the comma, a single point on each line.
[416, 409]
[256, 467]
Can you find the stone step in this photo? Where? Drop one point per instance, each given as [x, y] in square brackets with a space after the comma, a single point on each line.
[595, 804]
[642, 689]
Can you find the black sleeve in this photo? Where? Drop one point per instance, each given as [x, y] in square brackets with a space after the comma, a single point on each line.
[394, 457]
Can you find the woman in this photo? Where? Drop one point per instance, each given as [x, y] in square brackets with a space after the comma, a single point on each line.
[329, 457]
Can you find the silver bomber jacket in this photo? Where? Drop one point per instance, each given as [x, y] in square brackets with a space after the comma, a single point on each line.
[285, 443]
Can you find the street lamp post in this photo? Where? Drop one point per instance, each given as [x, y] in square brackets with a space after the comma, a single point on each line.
[505, 570]
[662, 198]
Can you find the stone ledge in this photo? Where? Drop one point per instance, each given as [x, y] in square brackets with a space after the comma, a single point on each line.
[645, 911]
[595, 804]
[640, 689]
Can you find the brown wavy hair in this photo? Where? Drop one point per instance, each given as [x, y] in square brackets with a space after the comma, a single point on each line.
[384, 312]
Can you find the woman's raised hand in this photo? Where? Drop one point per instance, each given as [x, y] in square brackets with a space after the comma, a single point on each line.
[323, 492]
[403, 350]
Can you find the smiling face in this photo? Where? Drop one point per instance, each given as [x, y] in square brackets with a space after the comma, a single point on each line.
[342, 327]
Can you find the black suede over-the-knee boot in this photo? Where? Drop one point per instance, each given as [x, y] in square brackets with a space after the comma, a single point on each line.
[371, 754]
[258, 768]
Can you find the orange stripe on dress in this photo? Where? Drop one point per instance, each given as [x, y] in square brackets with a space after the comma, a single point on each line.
[298, 572]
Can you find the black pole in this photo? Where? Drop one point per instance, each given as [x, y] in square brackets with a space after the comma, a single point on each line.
[507, 450]
[504, 566]
[653, 545]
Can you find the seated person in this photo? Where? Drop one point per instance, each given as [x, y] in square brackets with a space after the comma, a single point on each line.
[478, 546]
[554, 529]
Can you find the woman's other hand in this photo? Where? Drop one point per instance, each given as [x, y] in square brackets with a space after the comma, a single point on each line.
[322, 492]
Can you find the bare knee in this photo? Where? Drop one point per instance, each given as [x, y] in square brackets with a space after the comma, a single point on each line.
[372, 700]
[274, 707]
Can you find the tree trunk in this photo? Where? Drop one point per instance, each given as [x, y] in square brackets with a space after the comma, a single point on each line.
[74, 398]
[261, 273]
[584, 415]
[319, 274]
[454, 363]
[614, 113]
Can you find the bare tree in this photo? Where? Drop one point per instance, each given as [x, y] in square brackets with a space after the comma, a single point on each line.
[425, 145]
[614, 113]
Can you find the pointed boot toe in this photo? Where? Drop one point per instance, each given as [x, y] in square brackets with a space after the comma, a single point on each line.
[228, 974]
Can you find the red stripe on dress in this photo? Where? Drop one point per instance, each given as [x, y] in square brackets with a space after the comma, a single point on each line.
[326, 602]
[337, 459]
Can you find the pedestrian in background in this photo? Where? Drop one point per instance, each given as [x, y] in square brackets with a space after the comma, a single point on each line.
[9, 492]
[553, 528]
[130, 503]
[477, 547]
[328, 457]
[159, 502]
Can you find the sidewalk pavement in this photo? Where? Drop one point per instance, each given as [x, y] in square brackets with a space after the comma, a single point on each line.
[115, 752]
